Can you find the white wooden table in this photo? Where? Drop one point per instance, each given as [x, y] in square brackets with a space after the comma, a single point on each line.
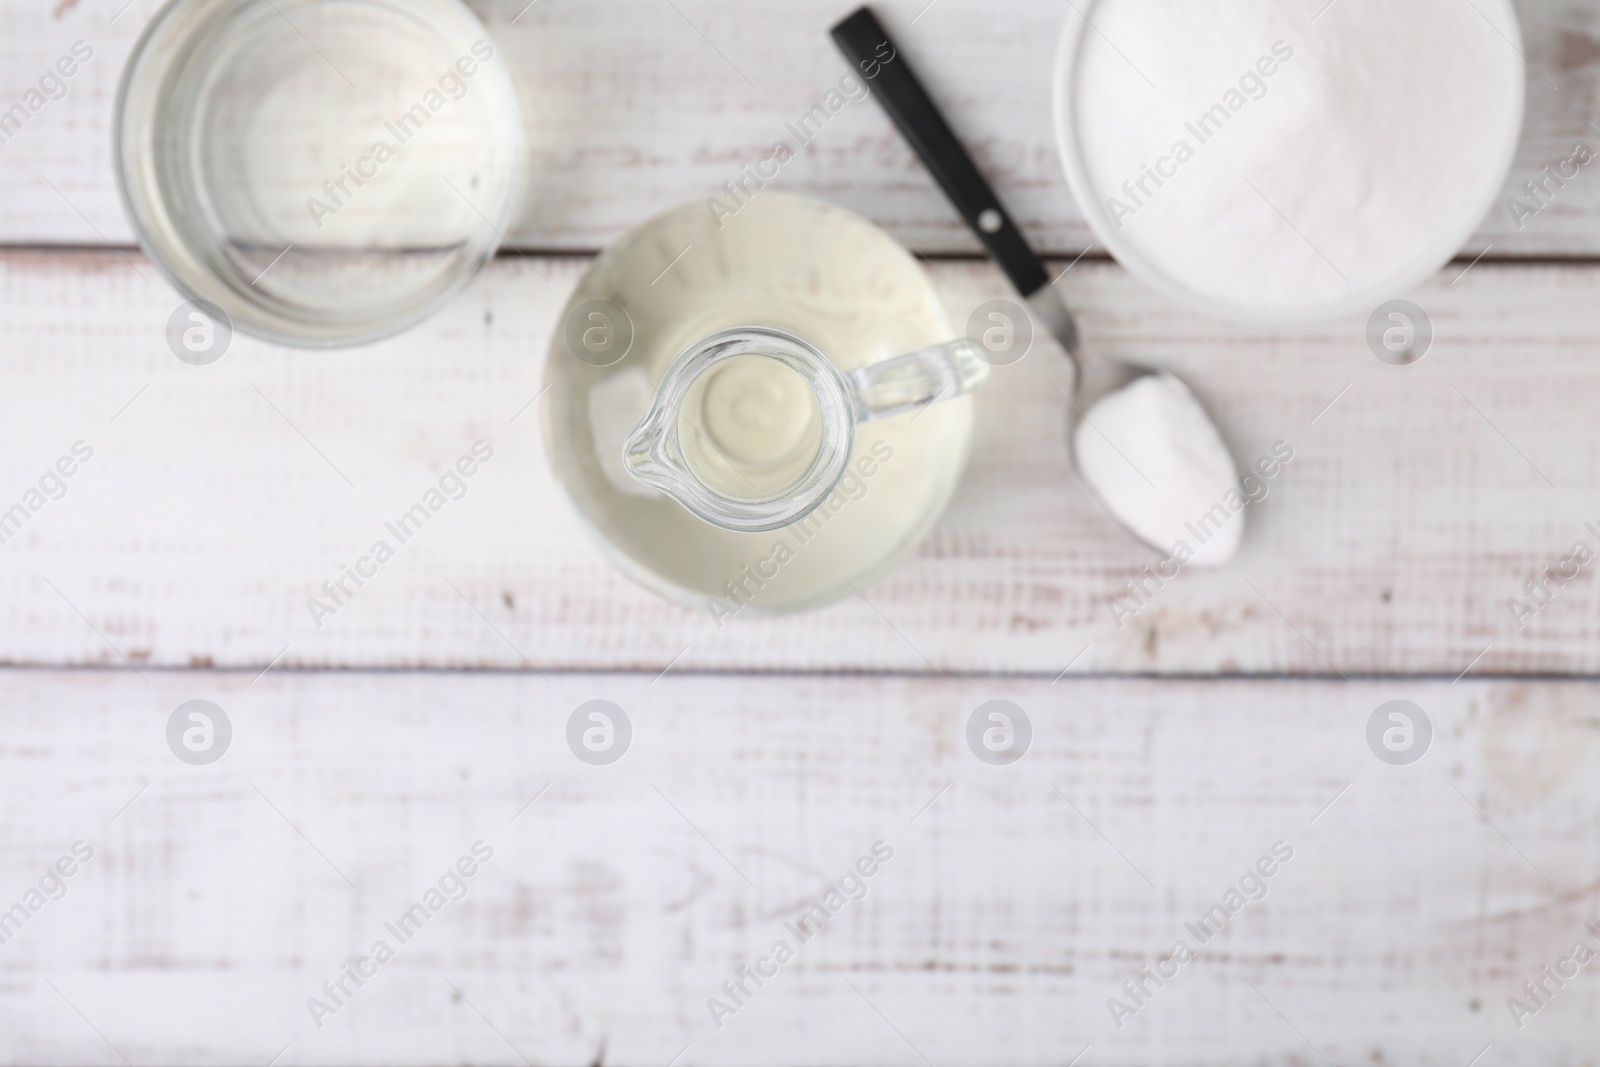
[1168, 754]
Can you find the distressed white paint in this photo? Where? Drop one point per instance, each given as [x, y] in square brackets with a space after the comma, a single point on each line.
[636, 105]
[1013, 906]
[1007, 916]
[1391, 543]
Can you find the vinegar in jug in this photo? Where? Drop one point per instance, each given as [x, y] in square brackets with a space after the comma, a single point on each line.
[750, 426]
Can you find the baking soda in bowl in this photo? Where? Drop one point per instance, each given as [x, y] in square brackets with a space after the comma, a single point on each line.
[1276, 161]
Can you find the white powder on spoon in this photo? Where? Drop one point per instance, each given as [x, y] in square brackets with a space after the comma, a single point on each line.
[1154, 459]
[1260, 163]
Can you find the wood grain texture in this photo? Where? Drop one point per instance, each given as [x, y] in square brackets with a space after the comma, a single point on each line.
[217, 502]
[637, 105]
[1017, 901]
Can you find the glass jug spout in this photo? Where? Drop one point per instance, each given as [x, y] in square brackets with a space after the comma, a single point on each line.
[752, 427]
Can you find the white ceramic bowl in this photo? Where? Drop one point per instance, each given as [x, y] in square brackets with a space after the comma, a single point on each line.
[1362, 294]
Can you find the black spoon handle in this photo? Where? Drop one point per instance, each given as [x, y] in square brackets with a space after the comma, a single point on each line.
[864, 41]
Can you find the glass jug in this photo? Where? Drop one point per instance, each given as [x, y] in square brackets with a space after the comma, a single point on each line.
[758, 411]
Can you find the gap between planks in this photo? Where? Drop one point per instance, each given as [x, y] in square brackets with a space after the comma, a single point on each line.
[1093, 255]
[1265, 678]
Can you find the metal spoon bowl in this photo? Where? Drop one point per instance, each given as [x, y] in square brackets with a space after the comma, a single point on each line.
[1097, 378]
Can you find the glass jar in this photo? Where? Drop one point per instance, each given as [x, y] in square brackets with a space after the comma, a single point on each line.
[721, 335]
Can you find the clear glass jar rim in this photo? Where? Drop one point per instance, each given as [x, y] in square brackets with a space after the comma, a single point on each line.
[654, 452]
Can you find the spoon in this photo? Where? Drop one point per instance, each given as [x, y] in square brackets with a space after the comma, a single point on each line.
[1143, 445]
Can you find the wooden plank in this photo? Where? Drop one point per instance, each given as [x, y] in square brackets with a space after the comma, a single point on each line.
[216, 502]
[1017, 900]
[636, 106]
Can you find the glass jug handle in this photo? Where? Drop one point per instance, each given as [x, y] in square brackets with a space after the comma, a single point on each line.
[916, 380]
